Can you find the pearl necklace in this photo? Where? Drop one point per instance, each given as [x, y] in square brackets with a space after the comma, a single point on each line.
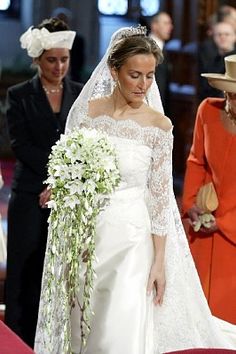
[53, 91]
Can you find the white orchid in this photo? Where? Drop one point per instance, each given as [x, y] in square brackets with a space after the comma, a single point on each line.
[83, 172]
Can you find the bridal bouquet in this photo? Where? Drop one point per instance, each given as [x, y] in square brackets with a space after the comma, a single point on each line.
[83, 171]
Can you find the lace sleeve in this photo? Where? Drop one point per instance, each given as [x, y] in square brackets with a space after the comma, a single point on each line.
[160, 182]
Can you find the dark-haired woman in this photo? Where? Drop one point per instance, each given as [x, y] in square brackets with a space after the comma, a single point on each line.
[36, 116]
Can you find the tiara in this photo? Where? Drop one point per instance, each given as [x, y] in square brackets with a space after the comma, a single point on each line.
[126, 32]
[134, 31]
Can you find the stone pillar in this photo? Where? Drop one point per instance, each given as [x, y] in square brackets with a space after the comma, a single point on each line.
[86, 22]
[26, 13]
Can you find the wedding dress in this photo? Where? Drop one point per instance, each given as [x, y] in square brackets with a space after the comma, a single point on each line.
[125, 320]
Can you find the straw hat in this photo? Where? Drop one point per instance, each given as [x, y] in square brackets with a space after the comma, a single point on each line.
[224, 82]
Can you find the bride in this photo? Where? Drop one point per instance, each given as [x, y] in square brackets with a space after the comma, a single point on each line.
[147, 298]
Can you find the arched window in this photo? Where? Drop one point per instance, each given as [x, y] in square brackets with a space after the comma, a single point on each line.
[124, 7]
[5, 4]
[10, 8]
[149, 7]
[109, 7]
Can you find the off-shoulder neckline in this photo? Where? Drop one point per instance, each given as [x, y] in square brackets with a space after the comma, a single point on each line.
[130, 121]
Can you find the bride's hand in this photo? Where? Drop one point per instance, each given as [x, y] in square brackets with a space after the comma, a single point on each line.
[156, 283]
[44, 197]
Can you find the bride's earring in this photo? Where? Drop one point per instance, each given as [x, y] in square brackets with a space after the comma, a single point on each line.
[146, 98]
[116, 83]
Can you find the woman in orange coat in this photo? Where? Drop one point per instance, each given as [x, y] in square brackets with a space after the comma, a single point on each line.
[213, 158]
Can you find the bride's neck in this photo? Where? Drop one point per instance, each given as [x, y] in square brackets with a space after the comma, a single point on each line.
[121, 105]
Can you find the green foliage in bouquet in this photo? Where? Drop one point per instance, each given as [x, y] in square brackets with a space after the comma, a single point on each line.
[83, 172]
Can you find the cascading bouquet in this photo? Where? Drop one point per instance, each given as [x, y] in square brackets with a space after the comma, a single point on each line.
[83, 171]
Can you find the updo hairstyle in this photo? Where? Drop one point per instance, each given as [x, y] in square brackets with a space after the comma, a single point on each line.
[53, 24]
[127, 47]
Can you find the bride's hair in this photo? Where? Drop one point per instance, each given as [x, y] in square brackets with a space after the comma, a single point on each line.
[127, 47]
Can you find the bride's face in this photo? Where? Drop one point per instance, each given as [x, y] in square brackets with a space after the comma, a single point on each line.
[135, 77]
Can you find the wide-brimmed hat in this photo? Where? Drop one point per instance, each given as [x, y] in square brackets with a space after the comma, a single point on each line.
[224, 82]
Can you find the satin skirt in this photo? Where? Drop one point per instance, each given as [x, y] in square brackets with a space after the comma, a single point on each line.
[122, 309]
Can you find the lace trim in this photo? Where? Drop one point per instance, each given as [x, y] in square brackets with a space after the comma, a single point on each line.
[127, 128]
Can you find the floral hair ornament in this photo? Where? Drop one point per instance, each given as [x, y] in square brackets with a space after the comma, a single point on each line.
[36, 40]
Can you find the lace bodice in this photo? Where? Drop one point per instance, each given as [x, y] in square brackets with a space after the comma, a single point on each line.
[144, 154]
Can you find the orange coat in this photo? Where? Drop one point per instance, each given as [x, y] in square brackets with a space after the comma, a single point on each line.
[213, 157]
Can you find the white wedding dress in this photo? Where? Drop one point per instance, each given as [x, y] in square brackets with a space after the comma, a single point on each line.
[125, 320]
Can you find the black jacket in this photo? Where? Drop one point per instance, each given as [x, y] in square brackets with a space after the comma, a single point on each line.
[34, 129]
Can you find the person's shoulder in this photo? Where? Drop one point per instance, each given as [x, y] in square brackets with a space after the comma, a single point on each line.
[98, 106]
[22, 89]
[209, 110]
[211, 102]
[208, 45]
[159, 120]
